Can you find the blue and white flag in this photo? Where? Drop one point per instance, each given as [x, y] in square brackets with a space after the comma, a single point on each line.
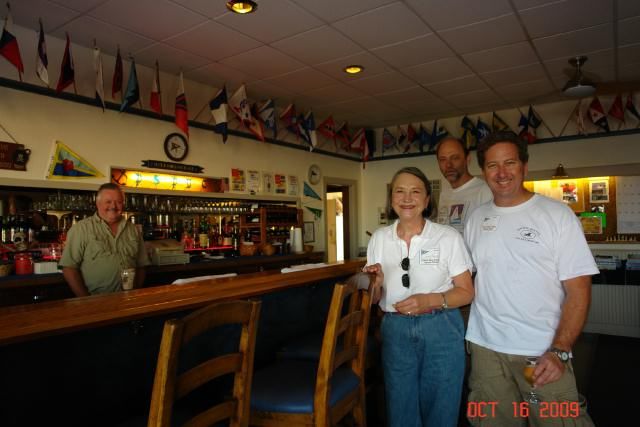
[42, 62]
[308, 124]
[437, 134]
[132, 95]
[218, 107]
[482, 130]
[240, 106]
[266, 113]
[388, 140]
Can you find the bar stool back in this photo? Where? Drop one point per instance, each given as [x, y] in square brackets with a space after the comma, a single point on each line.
[169, 387]
[320, 393]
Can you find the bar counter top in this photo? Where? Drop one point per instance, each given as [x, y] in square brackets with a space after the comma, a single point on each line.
[27, 322]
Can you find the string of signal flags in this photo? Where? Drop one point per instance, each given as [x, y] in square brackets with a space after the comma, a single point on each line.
[261, 116]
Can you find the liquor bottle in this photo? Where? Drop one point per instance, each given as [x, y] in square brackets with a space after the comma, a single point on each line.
[3, 230]
[235, 242]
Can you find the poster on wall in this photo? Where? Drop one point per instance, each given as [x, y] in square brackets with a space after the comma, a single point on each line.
[238, 180]
[267, 183]
[572, 194]
[13, 156]
[591, 224]
[280, 183]
[293, 185]
[599, 191]
[253, 181]
[65, 163]
[628, 204]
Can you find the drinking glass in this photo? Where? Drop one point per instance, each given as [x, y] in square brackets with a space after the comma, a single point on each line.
[529, 366]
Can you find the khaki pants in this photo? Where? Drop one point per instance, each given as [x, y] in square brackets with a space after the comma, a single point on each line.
[498, 389]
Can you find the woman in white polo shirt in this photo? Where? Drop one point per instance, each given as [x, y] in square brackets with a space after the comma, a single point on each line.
[422, 276]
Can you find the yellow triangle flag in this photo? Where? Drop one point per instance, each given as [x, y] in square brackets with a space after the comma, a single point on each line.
[65, 163]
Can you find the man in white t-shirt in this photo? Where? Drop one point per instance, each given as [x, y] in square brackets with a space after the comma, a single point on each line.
[466, 192]
[533, 288]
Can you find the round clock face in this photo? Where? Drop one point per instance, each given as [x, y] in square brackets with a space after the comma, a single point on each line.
[314, 174]
[176, 147]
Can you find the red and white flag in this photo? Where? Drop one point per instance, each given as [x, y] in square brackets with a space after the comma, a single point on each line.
[597, 115]
[155, 99]
[9, 44]
[359, 144]
[181, 112]
[97, 67]
[118, 73]
[617, 109]
[42, 62]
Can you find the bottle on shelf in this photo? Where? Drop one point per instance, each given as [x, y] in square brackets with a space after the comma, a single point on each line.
[235, 242]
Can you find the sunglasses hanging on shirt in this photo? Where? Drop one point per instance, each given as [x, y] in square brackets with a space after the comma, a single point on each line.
[405, 277]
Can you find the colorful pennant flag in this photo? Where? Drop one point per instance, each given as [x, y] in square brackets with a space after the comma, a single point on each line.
[359, 144]
[582, 130]
[534, 119]
[597, 115]
[266, 113]
[155, 99]
[309, 192]
[97, 67]
[9, 44]
[617, 110]
[424, 138]
[42, 62]
[468, 132]
[132, 95]
[218, 107]
[181, 111]
[482, 130]
[631, 107]
[437, 134]
[402, 136]
[317, 213]
[388, 140]
[118, 75]
[240, 105]
[327, 128]
[498, 124]
[411, 137]
[308, 124]
[290, 119]
[67, 71]
[343, 135]
[65, 163]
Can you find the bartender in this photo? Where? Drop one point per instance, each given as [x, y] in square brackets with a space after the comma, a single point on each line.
[103, 247]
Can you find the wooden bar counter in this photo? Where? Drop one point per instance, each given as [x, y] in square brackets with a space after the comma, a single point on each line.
[91, 360]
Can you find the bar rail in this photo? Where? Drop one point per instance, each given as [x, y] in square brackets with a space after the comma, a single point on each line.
[28, 322]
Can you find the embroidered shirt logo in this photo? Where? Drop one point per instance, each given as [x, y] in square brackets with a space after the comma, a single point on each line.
[528, 234]
[430, 256]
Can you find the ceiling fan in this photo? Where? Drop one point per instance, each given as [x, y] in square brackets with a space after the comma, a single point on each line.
[581, 86]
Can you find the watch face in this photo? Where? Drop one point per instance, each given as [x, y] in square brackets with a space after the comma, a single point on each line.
[314, 174]
[176, 147]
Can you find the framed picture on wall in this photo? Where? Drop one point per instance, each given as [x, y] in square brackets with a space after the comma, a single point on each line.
[309, 232]
[599, 191]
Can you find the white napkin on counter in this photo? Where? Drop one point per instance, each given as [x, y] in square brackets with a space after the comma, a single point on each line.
[195, 279]
[303, 267]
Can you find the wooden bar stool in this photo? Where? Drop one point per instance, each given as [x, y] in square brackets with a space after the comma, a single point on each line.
[320, 393]
[169, 387]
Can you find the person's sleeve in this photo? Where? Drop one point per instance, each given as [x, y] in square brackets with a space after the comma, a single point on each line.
[459, 258]
[574, 258]
[73, 249]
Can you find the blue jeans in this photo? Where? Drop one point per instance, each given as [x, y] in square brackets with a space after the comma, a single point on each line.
[423, 361]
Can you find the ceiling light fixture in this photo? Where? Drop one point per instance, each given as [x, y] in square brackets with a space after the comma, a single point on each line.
[353, 69]
[242, 7]
[578, 86]
[560, 172]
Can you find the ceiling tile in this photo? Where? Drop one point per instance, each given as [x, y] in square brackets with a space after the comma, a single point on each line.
[628, 8]
[527, 4]
[85, 30]
[562, 16]
[416, 51]
[382, 83]
[263, 62]
[303, 80]
[484, 35]
[597, 61]
[629, 31]
[208, 8]
[501, 57]
[412, 95]
[79, 5]
[275, 20]
[469, 99]
[628, 55]
[263, 90]
[171, 59]
[217, 74]
[205, 40]
[53, 16]
[371, 64]
[630, 73]
[317, 46]
[333, 10]
[443, 14]
[514, 75]
[366, 28]
[360, 104]
[454, 87]
[333, 94]
[437, 71]
[574, 43]
[526, 90]
[168, 18]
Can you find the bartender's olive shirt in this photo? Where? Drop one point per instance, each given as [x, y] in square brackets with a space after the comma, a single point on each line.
[100, 256]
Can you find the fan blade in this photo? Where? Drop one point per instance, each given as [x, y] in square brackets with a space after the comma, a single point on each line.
[612, 88]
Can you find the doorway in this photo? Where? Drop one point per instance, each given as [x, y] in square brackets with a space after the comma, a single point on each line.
[338, 220]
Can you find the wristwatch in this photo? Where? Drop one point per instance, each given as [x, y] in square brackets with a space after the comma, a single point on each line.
[562, 355]
[444, 305]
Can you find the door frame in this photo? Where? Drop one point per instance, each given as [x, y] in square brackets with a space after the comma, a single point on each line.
[350, 208]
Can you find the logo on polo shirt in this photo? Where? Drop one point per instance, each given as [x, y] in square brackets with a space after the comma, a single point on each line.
[528, 234]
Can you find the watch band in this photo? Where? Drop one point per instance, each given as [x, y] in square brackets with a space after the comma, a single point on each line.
[444, 305]
[561, 354]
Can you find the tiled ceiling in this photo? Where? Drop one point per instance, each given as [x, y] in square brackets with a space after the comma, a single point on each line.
[423, 59]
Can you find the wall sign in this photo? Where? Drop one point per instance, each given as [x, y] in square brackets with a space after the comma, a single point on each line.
[13, 156]
[178, 167]
[165, 181]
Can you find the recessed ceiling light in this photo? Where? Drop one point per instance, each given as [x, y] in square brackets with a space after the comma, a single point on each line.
[242, 7]
[353, 69]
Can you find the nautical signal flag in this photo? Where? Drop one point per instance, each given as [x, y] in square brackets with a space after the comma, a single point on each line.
[308, 124]
[97, 66]
[482, 130]
[9, 44]
[290, 119]
[359, 144]
[155, 99]
[402, 136]
[597, 115]
[327, 128]
[218, 107]
[388, 140]
[580, 119]
[437, 134]
[266, 113]
[529, 124]
[424, 138]
[132, 95]
[240, 105]
[343, 135]
[118, 75]
[42, 62]
[67, 71]
[631, 107]
[411, 136]
[468, 132]
[181, 111]
[498, 124]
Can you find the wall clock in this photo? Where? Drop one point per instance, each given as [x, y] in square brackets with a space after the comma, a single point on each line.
[176, 147]
[314, 174]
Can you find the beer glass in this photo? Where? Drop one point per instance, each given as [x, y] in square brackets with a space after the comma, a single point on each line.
[529, 366]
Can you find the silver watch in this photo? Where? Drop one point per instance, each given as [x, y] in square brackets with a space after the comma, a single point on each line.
[562, 355]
